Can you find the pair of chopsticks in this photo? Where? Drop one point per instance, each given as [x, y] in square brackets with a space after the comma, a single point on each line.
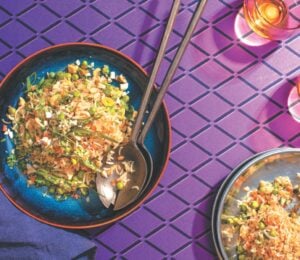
[172, 69]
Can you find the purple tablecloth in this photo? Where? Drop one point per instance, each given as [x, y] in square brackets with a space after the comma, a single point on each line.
[227, 102]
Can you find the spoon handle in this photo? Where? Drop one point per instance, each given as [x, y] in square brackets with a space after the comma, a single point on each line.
[160, 55]
[172, 69]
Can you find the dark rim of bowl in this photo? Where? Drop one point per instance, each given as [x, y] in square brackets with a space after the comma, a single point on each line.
[167, 122]
[226, 186]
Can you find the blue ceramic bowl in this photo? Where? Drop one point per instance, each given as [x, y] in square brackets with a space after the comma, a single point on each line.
[85, 212]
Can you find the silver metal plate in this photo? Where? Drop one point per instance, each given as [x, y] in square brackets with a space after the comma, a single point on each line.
[264, 166]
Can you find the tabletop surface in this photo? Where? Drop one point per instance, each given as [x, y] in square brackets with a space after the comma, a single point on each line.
[227, 102]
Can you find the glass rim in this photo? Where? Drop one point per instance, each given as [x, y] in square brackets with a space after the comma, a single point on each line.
[270, 24]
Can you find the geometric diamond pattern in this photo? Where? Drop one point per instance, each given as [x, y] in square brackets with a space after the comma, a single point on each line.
[281, 55]
[134, 25]
[236, 58]
[105, 36]
[226, 102]
[16, 7]
[35, 21]
[229, 157]
[189, 195]
[176, 203]
[143, 224]
[190, 156]
[293, 44]
[221, 140]
[185, 223]
[63, 8]
[215, 74]
[212, 107]
[236, 91]
[127, 239]
[88, 24]
[256, 76]
[195, 124]
[168, 233]
[237, 132]
[4, 17]
[145, 248]
[212, 173]
[54, 35]
[4, 50]
[175, 174]
[186, 87]
[208, 40]
[9, 36]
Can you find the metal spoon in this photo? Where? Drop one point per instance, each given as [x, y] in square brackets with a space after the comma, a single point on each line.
[167, 80]
[131, 151]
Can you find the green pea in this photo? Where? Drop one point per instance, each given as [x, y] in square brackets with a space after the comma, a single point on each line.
[40, 182]
[105, 69]
[243, 207]
[76, 93]
[68, 76]
[61, 116]
[80, 174]
[125, 98]
[60, 191]
[255, 205]
[241, 257]
[93, 110]
[11, 110]
[84, 191]
[60, 75]
[84, 64]
[273, 233]
[68, 150]
[120, 185]
[229, 220]
[74, 161]
[51, 189]
[75, 77]
[51, 75]
[261, 225]
[240, 249]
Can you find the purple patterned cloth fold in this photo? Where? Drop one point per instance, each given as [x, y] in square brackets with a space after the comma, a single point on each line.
[22, 237]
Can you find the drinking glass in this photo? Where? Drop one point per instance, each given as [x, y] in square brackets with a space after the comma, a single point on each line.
[273, 19]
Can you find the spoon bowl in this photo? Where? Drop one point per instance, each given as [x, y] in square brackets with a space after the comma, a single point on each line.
[137, 179]
[149, 162]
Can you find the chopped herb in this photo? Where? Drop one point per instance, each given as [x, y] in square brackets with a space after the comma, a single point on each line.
[12, 160]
